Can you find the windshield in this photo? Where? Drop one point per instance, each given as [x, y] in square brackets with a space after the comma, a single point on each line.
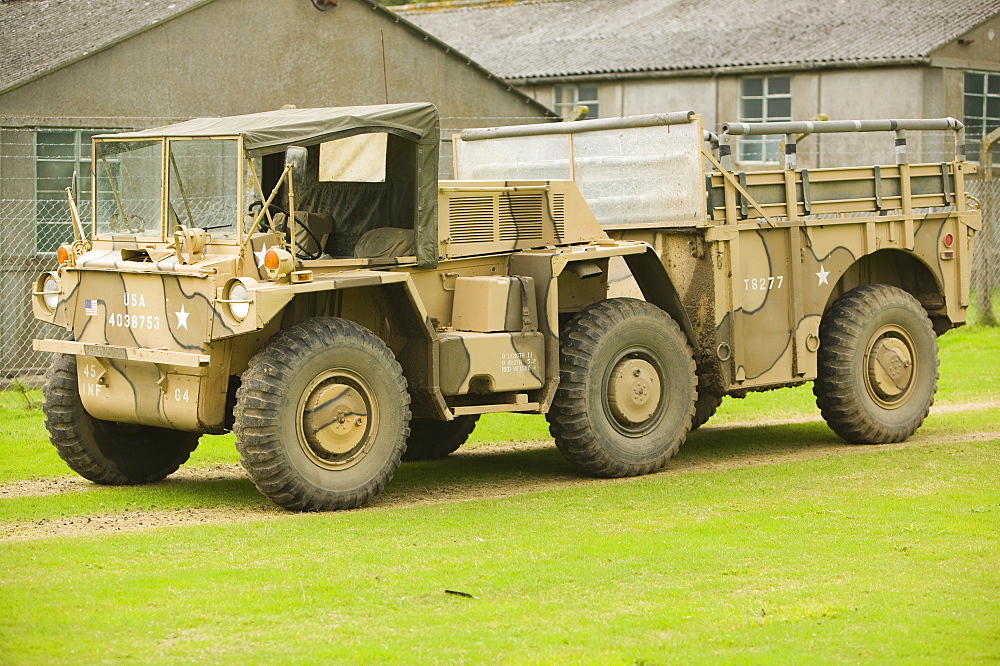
[129, 191]
[204, 185]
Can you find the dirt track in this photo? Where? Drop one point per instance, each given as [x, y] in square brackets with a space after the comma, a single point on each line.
[430, 493]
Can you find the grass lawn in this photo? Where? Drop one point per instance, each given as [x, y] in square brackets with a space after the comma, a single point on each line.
[884, 555]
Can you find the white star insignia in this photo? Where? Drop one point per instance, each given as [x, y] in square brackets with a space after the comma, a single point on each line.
[260, 255]
[182, 318]
[823, 275]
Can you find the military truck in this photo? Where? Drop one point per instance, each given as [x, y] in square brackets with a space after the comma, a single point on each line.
[302, 278]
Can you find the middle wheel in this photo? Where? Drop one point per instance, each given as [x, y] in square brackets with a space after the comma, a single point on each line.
[627, 389]
[431, 439]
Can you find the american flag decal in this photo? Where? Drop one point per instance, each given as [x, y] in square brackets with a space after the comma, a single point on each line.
[90, 307]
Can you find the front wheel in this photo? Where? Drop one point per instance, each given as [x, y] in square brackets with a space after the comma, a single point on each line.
[107, 452]
[878, 364]
[321, 416]
[626, 389]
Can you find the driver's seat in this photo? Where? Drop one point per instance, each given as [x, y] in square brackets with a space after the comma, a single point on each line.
[312, 230]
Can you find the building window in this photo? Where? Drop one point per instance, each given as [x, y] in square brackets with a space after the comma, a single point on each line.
[763, 99]
[58, 155]
[569, 97]
[982, 109]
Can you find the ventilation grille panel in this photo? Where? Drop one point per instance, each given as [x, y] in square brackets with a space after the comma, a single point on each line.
[521, 217]
[471, 219]
[559, 214]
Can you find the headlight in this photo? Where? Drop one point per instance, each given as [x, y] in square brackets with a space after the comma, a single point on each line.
[47, 288]
[236, 296]
[51, 295]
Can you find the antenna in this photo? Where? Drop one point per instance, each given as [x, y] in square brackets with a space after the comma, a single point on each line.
[385, 70]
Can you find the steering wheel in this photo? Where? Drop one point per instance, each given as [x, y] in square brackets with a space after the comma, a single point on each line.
[256, 206]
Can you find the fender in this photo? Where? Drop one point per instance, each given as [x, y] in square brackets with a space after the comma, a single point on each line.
[658, 289]
[546, 264]
[269, 300]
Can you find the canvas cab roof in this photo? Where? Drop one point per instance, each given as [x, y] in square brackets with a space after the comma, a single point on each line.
[272, 131]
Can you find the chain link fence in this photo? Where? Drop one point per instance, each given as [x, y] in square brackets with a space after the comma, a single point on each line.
[24, 245]
[986, 256]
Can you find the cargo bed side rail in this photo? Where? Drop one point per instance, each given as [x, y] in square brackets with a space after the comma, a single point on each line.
[793, 193]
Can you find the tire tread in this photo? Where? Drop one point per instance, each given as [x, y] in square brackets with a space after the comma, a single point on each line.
[569, 422]
[258, 436]
[841, 333]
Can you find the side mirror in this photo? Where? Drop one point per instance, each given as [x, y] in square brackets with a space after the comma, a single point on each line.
[297, 157]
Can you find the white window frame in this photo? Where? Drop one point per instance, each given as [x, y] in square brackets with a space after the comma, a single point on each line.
[984, 122]
[771, 92]
[568, 96]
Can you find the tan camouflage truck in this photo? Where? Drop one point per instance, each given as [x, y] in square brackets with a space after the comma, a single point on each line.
[302, 278]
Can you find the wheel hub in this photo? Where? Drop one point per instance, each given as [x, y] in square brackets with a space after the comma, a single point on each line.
[890, 368]
[335, 419]
[634, 391]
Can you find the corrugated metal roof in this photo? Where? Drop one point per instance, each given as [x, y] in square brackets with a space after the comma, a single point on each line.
[552, 38]
[40, 36]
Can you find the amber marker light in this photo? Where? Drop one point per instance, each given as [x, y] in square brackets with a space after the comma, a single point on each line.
[271, 260]
[64, 254]
[278, 263]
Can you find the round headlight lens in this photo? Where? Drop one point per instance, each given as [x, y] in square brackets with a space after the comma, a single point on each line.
[239, 298]
[51, 295]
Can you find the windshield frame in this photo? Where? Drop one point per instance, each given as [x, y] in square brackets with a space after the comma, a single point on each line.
[166, 174]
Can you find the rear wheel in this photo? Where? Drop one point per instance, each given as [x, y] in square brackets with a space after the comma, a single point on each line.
[107, 452]
[627, 389]
[878, 363]
[431, 439]
[321, 416]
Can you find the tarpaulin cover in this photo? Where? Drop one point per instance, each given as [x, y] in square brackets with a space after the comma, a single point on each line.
[273, 131]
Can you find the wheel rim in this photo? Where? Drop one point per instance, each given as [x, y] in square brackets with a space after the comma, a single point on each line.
[633, 392]
[890, 367]
[337, 419]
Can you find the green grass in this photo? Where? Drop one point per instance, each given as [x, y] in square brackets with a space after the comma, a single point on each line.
[884, 556]
[887, 556]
